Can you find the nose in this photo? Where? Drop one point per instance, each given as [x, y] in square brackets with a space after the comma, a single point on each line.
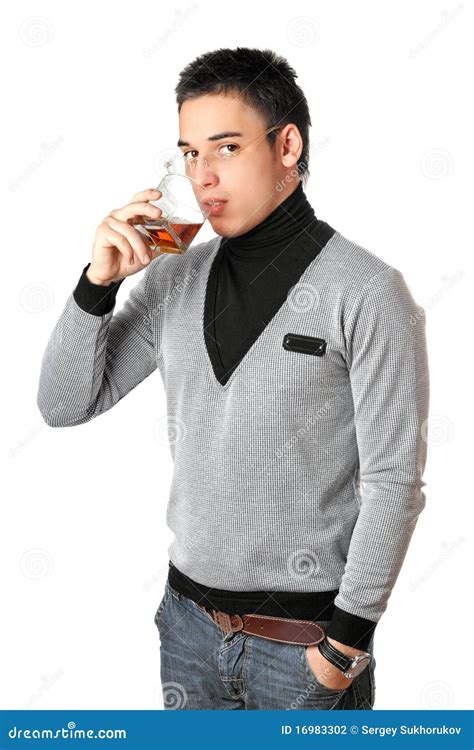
[205, 175]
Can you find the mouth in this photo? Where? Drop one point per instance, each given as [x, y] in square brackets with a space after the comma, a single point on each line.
[214, 206]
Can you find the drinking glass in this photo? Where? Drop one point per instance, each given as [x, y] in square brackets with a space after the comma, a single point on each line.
[182, 215]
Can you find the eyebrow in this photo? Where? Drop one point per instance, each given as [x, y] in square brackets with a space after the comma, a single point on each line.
[216, 137]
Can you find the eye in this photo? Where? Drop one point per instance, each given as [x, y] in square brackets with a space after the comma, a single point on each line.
[228, 145]
[187, 154]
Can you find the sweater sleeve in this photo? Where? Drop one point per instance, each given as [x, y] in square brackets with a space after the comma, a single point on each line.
[95, 298]
[388, 367]
[92, 361]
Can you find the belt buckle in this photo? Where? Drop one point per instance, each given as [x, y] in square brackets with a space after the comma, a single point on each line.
[227, 623]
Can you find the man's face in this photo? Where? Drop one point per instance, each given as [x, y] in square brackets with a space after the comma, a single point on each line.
[248, 181]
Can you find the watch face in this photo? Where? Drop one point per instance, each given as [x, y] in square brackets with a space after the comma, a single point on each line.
[358, 665]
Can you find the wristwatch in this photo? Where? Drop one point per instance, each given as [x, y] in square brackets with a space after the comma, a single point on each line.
[350, 666]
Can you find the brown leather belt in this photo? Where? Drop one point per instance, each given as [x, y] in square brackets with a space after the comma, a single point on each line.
[283, 629]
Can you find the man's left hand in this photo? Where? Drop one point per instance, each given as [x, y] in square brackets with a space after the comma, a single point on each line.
[327, 673]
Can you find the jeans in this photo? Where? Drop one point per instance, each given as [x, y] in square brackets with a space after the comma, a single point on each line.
[203, 668]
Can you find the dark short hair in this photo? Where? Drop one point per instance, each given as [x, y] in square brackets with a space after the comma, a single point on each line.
[265, 80]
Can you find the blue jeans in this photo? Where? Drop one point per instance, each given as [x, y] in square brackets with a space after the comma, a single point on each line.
[202, 668]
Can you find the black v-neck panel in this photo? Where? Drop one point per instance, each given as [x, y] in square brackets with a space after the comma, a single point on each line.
[291, 263]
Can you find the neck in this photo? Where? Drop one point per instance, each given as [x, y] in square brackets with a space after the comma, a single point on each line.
[293, 216]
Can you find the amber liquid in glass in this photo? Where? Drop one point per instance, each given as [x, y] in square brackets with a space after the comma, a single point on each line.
[157, 234]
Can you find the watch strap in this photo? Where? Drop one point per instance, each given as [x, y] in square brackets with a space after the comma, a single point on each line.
[336, 657]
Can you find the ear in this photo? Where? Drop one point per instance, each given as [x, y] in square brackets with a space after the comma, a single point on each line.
[290, 144]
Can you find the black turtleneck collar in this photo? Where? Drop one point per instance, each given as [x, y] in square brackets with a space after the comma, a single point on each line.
[292, 217]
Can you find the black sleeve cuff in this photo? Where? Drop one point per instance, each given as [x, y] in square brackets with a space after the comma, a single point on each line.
[351, 630]
[94, 298]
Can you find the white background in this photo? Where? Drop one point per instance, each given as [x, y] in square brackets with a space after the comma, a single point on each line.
[88, 112]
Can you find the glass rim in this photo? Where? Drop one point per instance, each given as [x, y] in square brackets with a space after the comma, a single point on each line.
[200, 206]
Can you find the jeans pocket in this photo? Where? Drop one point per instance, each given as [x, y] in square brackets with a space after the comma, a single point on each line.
[316, 694]
[175, 594]
[162, 605]
[312, 675]
[371, 673]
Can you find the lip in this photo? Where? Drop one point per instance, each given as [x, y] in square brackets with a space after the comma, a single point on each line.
[214, 210]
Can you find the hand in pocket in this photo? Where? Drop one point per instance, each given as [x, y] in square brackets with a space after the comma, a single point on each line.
[324, 672]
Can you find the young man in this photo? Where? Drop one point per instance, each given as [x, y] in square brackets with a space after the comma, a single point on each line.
[297, 362]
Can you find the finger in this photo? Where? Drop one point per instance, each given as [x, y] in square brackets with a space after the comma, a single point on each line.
[147, 195]
[116, 239]
[133, 210]
[133, 237]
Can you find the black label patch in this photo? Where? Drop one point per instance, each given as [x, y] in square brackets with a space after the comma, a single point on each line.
[296, 342]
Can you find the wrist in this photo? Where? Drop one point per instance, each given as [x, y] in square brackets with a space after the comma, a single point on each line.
[349, 665]
[347, 650]
[99, 282]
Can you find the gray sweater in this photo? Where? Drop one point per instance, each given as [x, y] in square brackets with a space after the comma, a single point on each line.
[304, 471]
